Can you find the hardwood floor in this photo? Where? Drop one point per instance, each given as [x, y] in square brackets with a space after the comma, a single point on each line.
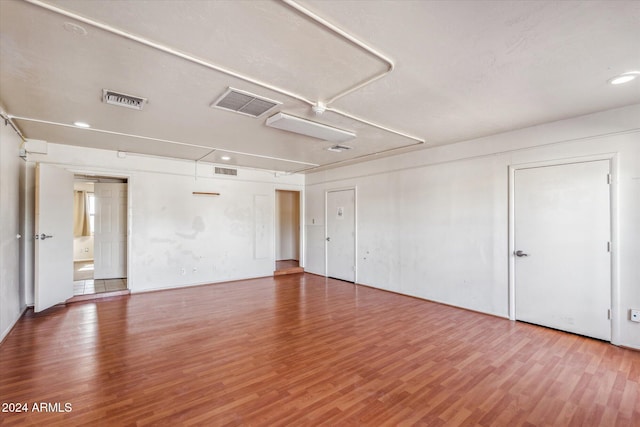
[305, 350]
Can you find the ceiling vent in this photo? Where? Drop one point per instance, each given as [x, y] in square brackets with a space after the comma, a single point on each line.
[122, 100]
[226, 171]
[339, 148]
[245, 103]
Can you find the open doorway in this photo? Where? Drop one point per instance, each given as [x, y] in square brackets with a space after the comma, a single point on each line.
[287, 232]
[100, 235]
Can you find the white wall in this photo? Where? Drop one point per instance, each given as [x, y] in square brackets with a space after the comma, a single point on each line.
[83, 248]
[180, 239]
[11, 169]
[435, 223]
[287, 225]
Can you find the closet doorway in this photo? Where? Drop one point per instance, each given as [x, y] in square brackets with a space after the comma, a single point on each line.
[287, 232]
[100, 235]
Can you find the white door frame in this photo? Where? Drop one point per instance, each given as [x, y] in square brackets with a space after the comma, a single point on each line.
[616, 310]
[355, 230]
[130, 179]
[98, 237]
[302, 252]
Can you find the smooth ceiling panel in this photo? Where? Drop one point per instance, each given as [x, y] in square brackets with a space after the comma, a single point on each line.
[467, 69]
[243, 160]
[265, 39]
[92, 139]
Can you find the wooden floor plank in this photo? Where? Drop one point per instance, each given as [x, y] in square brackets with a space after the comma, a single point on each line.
[305, 350]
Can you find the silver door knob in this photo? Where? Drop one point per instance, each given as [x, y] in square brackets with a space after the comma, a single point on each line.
[328, 239]
[43, 236]
[520, 253]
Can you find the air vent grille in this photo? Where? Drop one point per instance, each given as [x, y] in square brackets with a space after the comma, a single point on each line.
[245, 103]
[226, 171]
[339, 148]
[122, 100]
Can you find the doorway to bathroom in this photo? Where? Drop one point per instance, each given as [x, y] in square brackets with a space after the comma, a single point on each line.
[100, 235]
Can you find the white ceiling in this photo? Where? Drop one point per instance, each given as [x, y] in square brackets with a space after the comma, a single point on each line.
[463, 69]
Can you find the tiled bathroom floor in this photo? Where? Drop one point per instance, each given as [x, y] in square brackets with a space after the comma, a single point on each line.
[87, 287]
[84, 284]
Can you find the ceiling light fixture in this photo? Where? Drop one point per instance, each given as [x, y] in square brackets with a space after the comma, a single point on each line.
[75, 28]
[225, 158]
[82, 124]
[307, 127]
[624, 78]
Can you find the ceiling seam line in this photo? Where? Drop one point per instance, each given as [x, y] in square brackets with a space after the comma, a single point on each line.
[373, 124]
[328, 165]
[215, 149]
[168, 141]
[214, 67]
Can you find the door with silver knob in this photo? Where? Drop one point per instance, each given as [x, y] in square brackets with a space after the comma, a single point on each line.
[562, 264]
[53, 256]
[340, 234]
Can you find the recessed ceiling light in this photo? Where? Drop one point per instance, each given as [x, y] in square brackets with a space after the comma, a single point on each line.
[82, 124]
[624, 78]
[225, 158]
[75, 28]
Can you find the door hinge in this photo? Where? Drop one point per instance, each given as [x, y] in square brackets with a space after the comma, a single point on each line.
[609, 314]
[608, 178]
[608, 246]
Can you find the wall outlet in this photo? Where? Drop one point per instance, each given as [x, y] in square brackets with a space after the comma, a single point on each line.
[183, 271]
[635, 315]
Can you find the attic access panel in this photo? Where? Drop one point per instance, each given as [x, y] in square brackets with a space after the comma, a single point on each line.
[243, 102]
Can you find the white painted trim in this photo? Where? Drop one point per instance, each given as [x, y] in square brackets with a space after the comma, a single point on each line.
[130, 179]
[616, 310]
[352, 39]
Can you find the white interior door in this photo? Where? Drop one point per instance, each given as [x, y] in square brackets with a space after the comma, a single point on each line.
[110, 231]
[341, 236]
[54, 236]
[562, 230]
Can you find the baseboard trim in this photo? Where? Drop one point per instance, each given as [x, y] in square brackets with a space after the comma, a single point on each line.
[10, 328]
